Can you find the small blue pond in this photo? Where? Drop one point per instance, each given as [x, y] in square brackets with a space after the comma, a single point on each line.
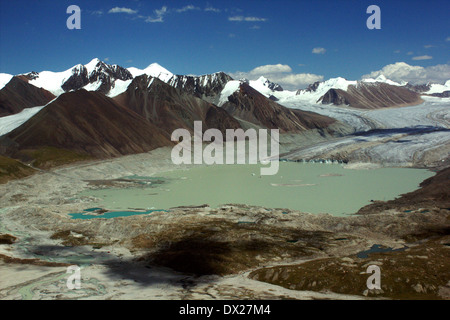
[109, 214]
[376, 248]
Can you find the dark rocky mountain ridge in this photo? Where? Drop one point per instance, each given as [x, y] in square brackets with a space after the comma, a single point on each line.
[18, 94]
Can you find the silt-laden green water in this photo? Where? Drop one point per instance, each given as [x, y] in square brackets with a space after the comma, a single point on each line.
[308, 187]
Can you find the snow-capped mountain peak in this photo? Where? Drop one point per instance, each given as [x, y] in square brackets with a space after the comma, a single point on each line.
[153, 70]
[382, 79]
[267, 83]
[91, 66]
[263, 80]
[315, 91]
[94, 76]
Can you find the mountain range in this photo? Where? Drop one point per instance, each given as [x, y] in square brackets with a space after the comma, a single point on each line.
[98, 111]
[112, 80]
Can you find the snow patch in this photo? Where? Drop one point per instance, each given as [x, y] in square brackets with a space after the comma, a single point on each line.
[93, 86]
[52, 81]
[120, 86]
[230, 88]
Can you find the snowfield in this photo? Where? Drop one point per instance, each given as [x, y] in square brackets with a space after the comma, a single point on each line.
[9, 123]
[120, 86]
[52, 81]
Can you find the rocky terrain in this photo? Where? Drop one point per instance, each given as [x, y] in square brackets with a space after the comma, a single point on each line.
[250, 105]
[170, 108]
[117, 123]
[230, 252]
[206, 87]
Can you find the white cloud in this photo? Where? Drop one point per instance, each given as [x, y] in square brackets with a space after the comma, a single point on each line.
[97, 12]
[159, 15]
[319, 50]
[122, 10]
[212, 9]
[246, 19]
[281, 74]
[187, 8]
[410, 53]
[401, 71]
[428, 46]
[448, 39]
[426, 57]
[298, 80]
[270, 69]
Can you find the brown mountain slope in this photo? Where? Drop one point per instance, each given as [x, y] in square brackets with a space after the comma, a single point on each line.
[250, 105]
[12, 169]
[19, 94]
[79, 125]
[170, 108]
[372, 96]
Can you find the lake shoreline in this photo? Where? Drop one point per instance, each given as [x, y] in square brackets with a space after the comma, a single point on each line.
[118, 254]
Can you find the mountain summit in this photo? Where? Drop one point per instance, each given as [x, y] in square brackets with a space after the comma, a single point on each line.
[94, 76]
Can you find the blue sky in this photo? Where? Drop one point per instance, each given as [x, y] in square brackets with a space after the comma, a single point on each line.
[298, 41]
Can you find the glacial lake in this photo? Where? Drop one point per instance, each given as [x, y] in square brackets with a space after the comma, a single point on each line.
[307, 187]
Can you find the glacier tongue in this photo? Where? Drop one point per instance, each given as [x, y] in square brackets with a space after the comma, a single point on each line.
[9, 123]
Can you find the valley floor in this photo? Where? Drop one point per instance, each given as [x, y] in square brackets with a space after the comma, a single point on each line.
[231, 252]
